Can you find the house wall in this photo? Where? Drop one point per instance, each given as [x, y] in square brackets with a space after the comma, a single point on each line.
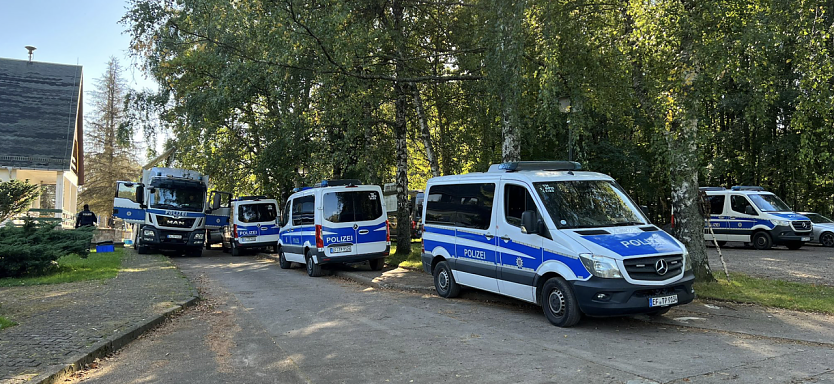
[66, 188]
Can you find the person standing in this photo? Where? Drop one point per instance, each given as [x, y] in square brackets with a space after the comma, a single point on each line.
[86, 217]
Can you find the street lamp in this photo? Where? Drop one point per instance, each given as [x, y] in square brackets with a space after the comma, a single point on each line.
[565, 107]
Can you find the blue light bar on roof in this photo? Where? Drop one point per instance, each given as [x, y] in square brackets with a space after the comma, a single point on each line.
[747, 188]
[515, 166]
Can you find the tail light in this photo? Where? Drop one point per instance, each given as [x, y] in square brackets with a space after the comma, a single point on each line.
[319, 239]
[422, 246]
[673, 220]
[387, 231]
[413, 225]
[234, 233]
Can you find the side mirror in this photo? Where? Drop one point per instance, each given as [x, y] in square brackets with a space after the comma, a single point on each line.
[529, 222]
[750, 211]
[140, 194]
[215, 201]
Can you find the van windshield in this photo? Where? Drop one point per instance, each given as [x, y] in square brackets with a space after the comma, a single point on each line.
[769, 203]
[342, 207]
[588, 204]
[257, 213]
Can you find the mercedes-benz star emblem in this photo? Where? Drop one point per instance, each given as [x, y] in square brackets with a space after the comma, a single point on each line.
[661, 267]
[355, 226]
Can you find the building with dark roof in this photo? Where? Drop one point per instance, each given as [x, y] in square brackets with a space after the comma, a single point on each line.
[42, 130]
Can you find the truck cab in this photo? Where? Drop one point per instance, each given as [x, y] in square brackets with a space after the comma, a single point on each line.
[167, 209]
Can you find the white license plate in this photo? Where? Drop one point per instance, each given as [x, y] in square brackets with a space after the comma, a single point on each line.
[342, 249]
[175, 236]
[806, 239]
[248, 239]
[663, 301]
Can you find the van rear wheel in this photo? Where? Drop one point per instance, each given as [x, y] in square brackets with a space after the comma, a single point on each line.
[444, 281]
[313, 269]
[762, 241]
[235, 248]
[282, 260]
[559, 303]
[376, 264]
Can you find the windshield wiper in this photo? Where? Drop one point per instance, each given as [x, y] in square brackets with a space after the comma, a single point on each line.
[628, 223]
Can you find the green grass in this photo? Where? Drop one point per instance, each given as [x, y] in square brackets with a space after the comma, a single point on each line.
[412, 261]
[769, 293]
[4, 322]
[96, 266]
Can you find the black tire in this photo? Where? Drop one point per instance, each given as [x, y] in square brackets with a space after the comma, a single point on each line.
[762, 241]
[274, 249]
[827, 239]
[282, 260]
[313, 269]
[143, 249]
[794, 245]
[659, 312]
[559, 303]
[235, 248]
[194, 252]
[376, 264]
[721, 243]
[444, 281]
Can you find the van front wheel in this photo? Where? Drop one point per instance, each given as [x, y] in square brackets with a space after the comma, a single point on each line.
[313, 269]
[761, 241]
[444, 281]
[559, 303]
[282, 260]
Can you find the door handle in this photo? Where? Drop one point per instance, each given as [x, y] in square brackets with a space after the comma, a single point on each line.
[363, 231]
[505, 237]
[488, 236]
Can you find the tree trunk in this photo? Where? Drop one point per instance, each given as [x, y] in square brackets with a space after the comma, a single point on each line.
[689, 222]
[425, 133]
[401, 141]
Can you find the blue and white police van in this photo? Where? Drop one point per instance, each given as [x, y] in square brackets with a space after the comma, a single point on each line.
[337, 221]
[751, 214]
[252, 223]
[544, 232]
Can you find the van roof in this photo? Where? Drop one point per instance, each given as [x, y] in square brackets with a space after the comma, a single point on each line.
[531, 176]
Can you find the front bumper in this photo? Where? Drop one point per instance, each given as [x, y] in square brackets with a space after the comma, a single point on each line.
[625, 298]
[784, 233]
[167, 239]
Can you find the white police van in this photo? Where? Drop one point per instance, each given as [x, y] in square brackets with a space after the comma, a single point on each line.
[337, 221]
[252, 223]
[752, 215]
[572, 242]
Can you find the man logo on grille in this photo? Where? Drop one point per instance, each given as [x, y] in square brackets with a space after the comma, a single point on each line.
[661, 267]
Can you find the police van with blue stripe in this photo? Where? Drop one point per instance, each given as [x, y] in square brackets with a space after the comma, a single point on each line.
[337, 221]
[252, 223]
[544, 232]
[750, 214]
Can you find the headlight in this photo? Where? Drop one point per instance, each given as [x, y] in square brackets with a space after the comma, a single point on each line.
[782, 223]
[199, 236]
[687, 266]
[601, 266]
[148, 232]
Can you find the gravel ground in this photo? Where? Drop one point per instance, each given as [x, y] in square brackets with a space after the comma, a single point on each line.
[810, 264]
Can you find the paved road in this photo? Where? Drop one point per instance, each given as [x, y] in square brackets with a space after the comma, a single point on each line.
[261, 324]
[809, 264]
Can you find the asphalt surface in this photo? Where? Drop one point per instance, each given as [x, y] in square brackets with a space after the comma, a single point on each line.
[809, 264]
[261, 324]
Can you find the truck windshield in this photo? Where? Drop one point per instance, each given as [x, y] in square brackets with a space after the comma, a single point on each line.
[769, 203]
[587, 204]
[178, 198]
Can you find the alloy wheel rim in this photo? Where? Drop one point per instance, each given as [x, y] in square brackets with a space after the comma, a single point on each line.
[828, 240]
[443, 280]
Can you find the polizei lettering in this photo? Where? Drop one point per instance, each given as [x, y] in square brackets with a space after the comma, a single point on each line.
[641, 242]
[474, 254]
[339, 239]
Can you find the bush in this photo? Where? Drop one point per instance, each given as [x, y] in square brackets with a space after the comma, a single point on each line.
[33, 248]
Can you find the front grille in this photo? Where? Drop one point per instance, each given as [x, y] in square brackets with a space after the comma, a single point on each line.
[645, 268]
[171, 222]
[801, 225]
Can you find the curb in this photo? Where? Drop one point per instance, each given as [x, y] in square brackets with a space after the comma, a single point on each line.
[113, 344]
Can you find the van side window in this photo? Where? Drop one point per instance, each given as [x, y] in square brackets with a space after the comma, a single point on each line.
[302, 210]
[517, 199]
[285, 216]
[461, 205]
[739, 203]
[716, 204]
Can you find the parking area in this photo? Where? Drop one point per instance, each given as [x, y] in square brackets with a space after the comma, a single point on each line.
[810, 264]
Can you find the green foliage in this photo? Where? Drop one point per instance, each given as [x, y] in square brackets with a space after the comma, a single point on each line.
[4, 322]
[33, 248]
[769, 293]
[70, 268]
[15, 197]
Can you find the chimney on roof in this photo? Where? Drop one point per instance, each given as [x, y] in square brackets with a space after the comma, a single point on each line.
[31, 51]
